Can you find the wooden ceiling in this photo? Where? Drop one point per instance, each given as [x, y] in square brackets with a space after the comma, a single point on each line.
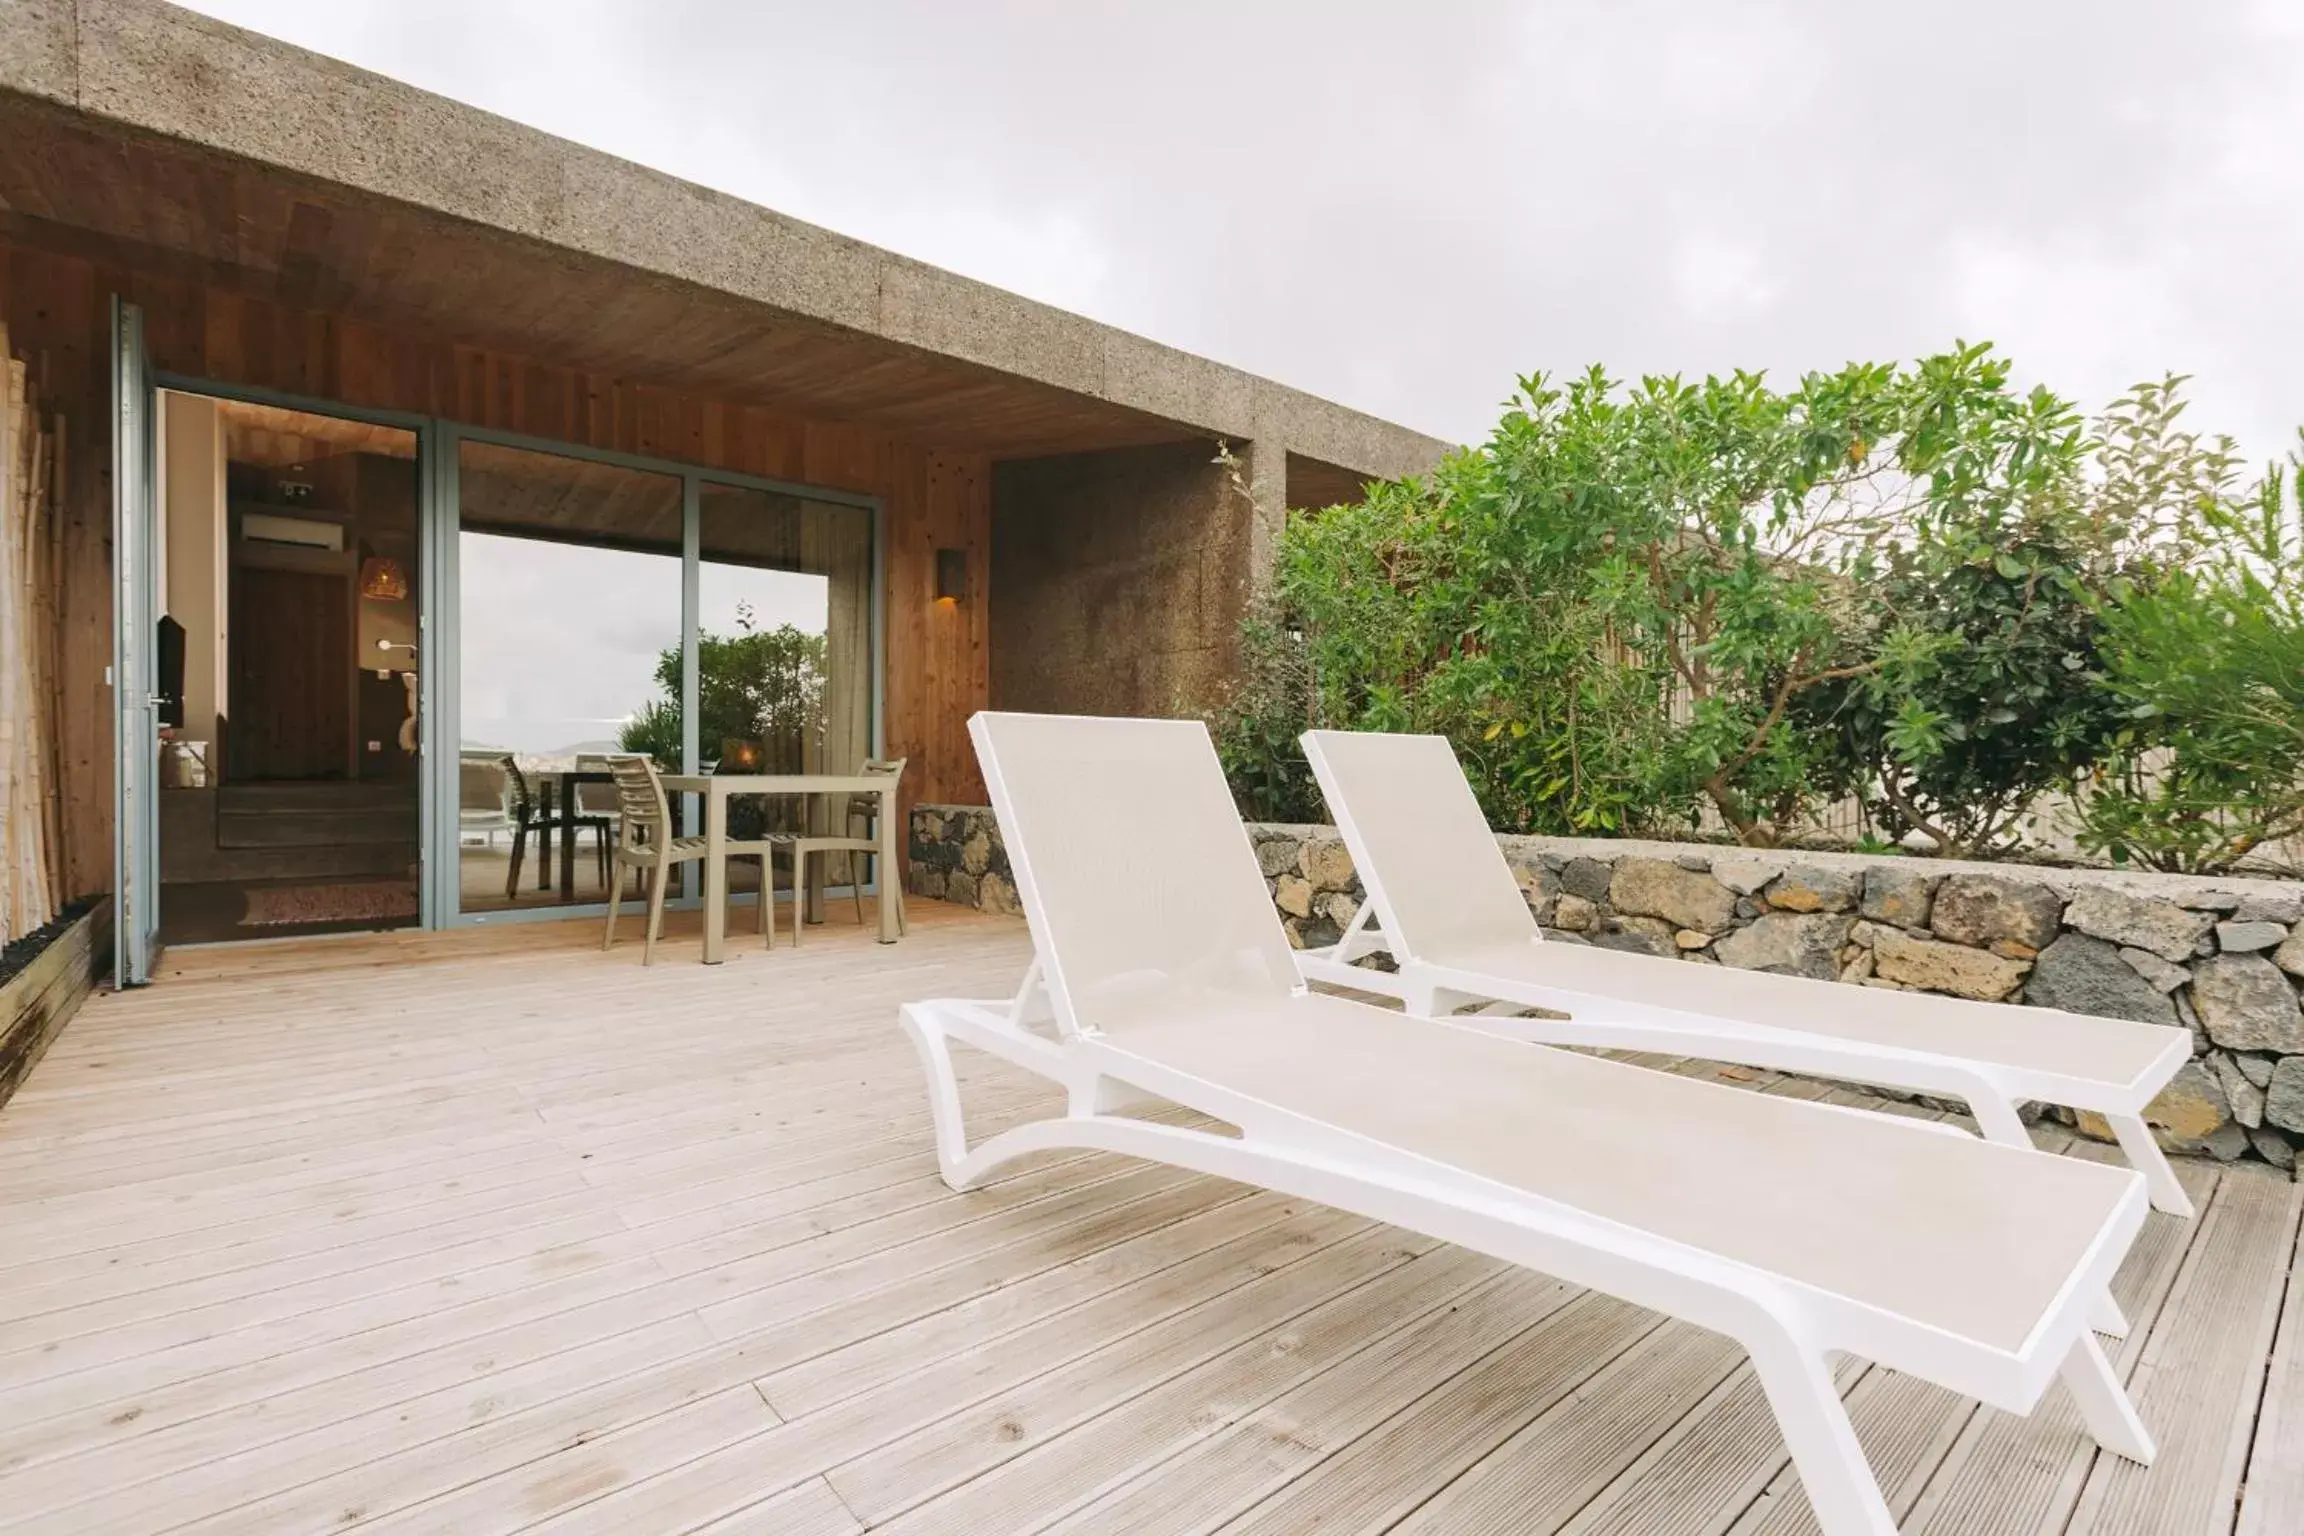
[141, 203]
[275, 438]
[528, 494]
[551, 495]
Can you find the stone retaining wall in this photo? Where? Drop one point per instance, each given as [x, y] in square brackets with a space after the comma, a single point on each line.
[2220, 956]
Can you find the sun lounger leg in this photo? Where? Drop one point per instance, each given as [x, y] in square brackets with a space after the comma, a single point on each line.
[2104, 1405]
[1998, 1121]
[1103, 1096]
[1430, 1002]
[943, 1094]
[2145, 1156]
[1841, 1488]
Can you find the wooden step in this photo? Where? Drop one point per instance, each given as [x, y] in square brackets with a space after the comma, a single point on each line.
[327, 815]
[314, 829]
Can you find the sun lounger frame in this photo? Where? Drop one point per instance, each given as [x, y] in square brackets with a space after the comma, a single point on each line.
[1991, 1091]
[1793, 1332]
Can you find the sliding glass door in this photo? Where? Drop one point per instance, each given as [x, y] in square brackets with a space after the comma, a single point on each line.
[783, 618]
[569, 644]
[604, 604]
[782, 643]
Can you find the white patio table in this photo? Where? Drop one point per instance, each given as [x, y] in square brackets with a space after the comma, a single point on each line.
[715, 790]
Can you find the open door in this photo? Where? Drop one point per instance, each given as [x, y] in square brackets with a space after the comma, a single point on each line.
[135, 646]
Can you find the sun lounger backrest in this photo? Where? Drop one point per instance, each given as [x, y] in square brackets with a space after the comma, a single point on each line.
[1133, 867]
[1419, 841]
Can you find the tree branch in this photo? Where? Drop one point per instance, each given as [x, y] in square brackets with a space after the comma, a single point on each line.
[1793, 683]
[1913, 817]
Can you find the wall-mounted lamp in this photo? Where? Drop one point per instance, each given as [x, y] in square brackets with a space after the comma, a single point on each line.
[951, 575]
[382, 577]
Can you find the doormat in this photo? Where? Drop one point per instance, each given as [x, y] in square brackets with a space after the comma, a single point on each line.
[271, 906]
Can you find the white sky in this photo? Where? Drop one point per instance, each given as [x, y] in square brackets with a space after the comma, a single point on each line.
[558, 642]
[1402, 207]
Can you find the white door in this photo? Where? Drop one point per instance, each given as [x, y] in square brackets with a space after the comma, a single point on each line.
[135, 644]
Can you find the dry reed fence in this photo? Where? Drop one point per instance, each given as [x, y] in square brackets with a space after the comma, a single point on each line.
[31, 491]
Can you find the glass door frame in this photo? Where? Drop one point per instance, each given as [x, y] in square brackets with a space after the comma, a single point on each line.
[438, 702]
[426, 431]
[137, 521]
[441, 700]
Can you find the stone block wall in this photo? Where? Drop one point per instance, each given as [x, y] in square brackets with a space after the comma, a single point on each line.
[2221, 957]
[956, 856]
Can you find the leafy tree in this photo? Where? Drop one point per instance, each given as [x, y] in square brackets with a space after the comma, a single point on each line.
[763, 685]
[1268, 709]
[654, 731]
[1621, 605]
[2207, 767]
[1987, 590]
[2000, 698]
[1640, 608]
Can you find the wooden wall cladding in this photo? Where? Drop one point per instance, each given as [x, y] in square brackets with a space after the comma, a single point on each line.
[56, 308]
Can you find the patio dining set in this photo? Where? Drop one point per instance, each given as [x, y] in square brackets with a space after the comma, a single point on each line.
[625, 803]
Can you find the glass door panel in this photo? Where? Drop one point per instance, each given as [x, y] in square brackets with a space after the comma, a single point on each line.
[569, 648]
[783, 642]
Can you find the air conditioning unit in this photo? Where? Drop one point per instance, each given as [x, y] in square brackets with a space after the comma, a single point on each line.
[303, 532]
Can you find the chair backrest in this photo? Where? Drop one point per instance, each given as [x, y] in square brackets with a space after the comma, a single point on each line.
[1137, 876]
[868, 806]
[482, 783]
[1422, 848]
[639, 799]
[594, 799]
[523, 802]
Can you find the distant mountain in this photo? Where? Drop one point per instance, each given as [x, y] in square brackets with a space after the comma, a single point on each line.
[555, 757]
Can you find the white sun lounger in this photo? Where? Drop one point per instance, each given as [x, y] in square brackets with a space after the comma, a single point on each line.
[1443, 902]
[1798, 1229]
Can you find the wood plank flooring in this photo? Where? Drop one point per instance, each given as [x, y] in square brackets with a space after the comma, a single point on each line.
[490, 1231]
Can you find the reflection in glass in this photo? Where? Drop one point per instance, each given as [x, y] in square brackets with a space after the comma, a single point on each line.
[783, 643]
[569, 619]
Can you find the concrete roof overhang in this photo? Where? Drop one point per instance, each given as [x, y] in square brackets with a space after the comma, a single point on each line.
[145, 135]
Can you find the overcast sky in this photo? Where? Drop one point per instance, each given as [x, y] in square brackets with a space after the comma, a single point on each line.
[1403, 207]
[559, 642]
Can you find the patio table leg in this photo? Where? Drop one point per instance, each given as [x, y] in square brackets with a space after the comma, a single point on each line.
[568, 841]
[546, 798]
[817, 818]
[888, 867]
[715, 875]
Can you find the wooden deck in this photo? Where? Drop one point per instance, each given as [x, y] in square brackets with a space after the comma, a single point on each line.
[491, 1232]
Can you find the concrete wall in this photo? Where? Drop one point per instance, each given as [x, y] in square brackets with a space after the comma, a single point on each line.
[1118, 580]
[187, 77]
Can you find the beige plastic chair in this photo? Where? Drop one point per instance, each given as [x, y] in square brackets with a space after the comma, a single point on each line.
[644, 843]
[1801, 1230]
[484, 801]
[849, 845]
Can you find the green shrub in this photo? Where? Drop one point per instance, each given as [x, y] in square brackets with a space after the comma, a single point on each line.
[764, 685]
[2208, 669]
[1649, 608]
